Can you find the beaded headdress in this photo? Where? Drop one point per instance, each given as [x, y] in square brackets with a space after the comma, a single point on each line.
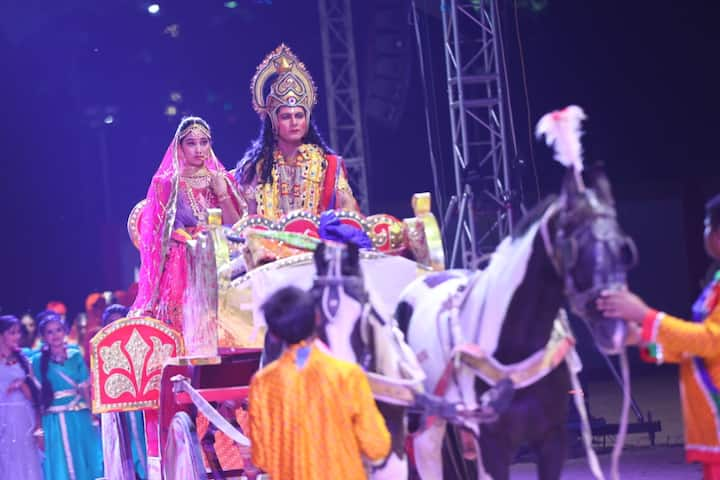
[293, 87]
[196, 126]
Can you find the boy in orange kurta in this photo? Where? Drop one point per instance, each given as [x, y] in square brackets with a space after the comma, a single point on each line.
[694, 344]
[312, 416]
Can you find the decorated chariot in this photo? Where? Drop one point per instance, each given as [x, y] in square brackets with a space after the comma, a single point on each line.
[192, 384]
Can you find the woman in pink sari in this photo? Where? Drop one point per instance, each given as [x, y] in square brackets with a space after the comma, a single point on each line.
[190, 180]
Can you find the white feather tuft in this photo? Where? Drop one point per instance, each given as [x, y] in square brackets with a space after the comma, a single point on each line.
[562, 131]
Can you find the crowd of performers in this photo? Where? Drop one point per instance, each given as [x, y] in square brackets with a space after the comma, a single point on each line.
[46, 427]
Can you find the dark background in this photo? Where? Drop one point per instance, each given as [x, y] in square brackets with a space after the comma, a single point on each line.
[644, 71]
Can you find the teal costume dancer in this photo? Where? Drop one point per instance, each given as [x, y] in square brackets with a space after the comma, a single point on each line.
[72, 442]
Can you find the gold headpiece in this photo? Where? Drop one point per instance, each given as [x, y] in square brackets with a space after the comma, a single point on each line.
[293, 87]
[196, 126]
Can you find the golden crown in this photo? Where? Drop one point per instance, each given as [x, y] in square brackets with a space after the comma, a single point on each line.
[293, 87]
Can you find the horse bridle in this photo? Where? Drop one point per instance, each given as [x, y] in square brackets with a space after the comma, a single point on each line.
[563, 250]
[334, 278]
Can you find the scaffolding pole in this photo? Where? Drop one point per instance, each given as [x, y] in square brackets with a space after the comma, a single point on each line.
[478, 105]
[343, 98]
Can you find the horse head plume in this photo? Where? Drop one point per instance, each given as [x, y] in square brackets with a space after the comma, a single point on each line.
[562, 131]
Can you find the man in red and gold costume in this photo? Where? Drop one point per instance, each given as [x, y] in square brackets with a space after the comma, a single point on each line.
[694, 344]
[289, 167]
[311, 414]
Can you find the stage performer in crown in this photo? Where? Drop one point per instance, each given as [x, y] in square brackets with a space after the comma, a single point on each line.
[289, 167]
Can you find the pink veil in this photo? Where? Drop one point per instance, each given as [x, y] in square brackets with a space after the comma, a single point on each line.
[157, 220]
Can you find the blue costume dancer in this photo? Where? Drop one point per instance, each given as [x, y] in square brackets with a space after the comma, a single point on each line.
[72, 442]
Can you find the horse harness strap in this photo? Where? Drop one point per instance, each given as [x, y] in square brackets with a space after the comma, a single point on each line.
[547, 241]
[528, 371]
[453, 305]
[522, 374]
[392, 390]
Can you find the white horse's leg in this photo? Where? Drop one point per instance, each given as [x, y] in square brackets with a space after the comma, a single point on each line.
[428, 451]
[395, 469]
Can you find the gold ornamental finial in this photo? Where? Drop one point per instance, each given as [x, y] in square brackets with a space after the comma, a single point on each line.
[283, 64]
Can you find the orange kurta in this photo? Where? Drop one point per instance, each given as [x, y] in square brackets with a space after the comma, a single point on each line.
[696, 347]
[314, 421]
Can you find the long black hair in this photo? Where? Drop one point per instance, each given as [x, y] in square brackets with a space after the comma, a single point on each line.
[45, 318]
[261, 151]
[6, 323]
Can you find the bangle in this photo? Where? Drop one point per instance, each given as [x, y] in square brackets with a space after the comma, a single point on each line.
[38, 432]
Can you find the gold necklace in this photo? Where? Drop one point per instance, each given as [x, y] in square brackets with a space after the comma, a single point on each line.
[196, 209]
[197, 181]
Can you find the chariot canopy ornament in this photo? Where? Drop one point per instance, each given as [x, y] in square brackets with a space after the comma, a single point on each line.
[292, 85]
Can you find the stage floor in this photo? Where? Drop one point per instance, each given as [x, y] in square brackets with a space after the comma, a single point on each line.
[657, 393]
[637, 463]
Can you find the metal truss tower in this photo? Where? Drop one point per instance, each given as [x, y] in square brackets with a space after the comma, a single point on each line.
[343, 97]
[475, 83]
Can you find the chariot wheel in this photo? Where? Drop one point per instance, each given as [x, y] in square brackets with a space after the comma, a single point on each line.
[182, 458]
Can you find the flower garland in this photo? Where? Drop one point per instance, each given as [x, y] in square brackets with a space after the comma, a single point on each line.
[312, 161]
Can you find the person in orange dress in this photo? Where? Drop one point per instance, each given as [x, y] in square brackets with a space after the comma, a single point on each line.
[693, 344]
[311, 414]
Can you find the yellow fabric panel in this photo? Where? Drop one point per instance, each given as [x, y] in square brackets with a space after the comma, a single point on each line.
[682, 340]
[671, 356]
[314, 421]
[700, 423]
[699, 339]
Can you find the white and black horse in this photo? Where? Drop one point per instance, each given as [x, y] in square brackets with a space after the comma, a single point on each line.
[567, 250]
[355, 331]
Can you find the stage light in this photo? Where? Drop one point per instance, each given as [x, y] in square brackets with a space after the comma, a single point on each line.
[231, 4]
[173, 30]
[171, 110]
[153, 9]
[109, 119]
[176, 97]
